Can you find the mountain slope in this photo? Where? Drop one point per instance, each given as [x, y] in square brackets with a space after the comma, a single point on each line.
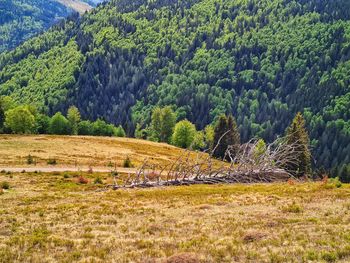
[261, 60]
[20, 20]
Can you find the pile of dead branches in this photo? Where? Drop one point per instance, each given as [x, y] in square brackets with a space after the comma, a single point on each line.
[246, 164]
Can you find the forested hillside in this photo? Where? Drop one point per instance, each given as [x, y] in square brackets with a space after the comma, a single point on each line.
[262, 61]
[21, 20]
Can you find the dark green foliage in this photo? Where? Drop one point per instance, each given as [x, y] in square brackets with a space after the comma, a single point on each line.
[85, 128]
[226, 134]
[22, 19]
[162, 124]
[262, 61]
[298, 137]
[51, 161]
[5, 185]
[42, 124]
[98, 180]
[127, 163]
[30, 159]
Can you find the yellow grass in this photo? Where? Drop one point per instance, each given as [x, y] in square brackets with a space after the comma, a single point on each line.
[82, 151]
[52, 218]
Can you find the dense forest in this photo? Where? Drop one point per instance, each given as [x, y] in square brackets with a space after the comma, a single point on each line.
[21, 20]
[262, 61]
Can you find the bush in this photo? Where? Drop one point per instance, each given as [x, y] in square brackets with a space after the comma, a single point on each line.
[336, 182]
[127, 163]
[293, 208]
[98, 180]
[82, 180]
[51, 161]
[30, 159]
[119, 131]
[331, 183]
[5, 185]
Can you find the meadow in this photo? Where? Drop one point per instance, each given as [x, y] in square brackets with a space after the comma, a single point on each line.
[51, 217]
[77, 217]
[81, 151]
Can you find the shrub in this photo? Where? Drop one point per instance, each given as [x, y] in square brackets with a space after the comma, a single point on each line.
[127, 163]
[5, 185]
[331, 183]
[30, 159]
[82, 180]
[293, 208]
[329, 256]
[336, 182]
[98, 180]
[51, 161]
[66, 175]
[119, 131]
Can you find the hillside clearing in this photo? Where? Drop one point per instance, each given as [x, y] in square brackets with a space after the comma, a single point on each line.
[50, 217]
[76, 5]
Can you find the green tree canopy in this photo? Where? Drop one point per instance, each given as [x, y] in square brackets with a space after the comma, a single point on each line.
[59, 125]
[162, 124]
[20, 120]
[73, 116]
[184, 134]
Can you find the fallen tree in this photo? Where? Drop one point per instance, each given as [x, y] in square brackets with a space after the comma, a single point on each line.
[252, 163]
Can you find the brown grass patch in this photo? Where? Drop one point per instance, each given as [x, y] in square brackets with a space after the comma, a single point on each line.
[184, 258]
[252, 236]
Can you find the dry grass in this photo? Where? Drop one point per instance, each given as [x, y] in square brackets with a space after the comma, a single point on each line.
[76, 5]
[53, 218]
[81, 151]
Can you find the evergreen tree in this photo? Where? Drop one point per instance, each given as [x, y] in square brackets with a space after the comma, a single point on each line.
[232, 138]
[219, 140]
[227, 126]
[299, 138]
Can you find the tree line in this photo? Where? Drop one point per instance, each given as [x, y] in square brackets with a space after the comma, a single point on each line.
[26, 119]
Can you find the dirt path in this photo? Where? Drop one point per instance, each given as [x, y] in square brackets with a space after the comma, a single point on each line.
[52, 169]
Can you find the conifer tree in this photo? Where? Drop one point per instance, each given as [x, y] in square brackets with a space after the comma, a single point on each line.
[219, 131]
[233, 137]
[227, 126]
[299, 138]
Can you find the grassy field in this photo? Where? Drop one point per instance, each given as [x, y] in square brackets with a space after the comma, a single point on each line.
[81, 151]
[53, 218]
